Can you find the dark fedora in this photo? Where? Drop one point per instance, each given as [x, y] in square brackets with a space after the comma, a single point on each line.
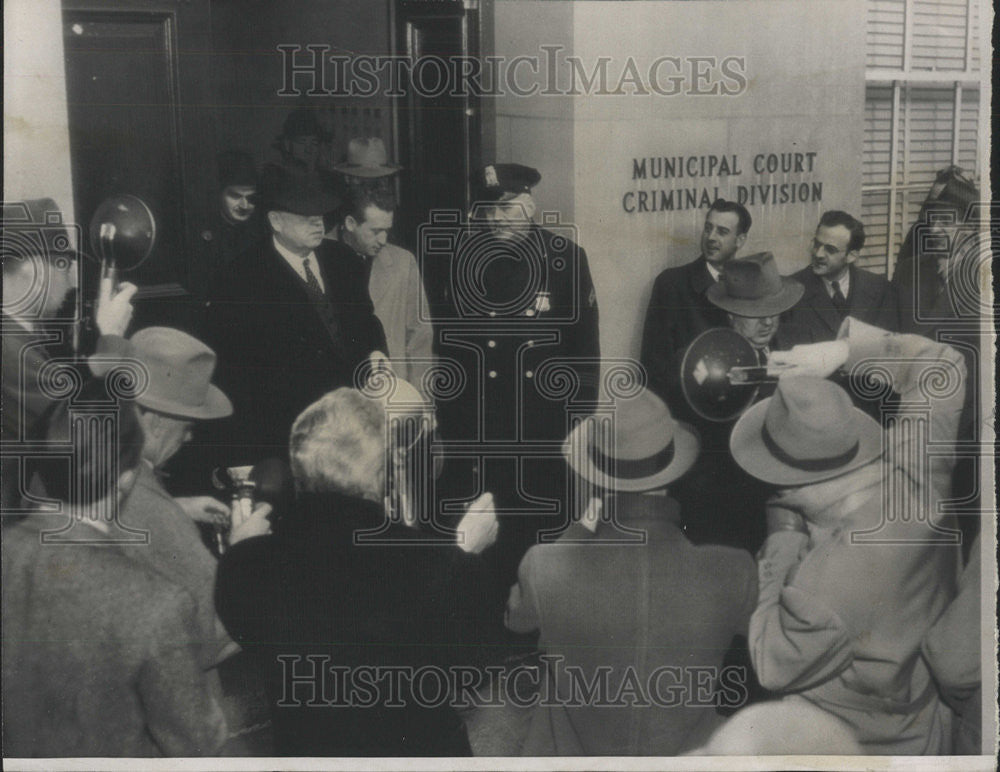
[752, 286]
[300, 122]
[806, 433]
[283, 190]
[952, 190]
[367, 157]
[646, 450]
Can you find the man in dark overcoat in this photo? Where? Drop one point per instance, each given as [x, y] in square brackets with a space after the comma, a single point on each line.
[679, 310]
[291, 319]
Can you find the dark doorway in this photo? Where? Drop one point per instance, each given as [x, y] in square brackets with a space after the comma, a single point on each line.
[438, 128]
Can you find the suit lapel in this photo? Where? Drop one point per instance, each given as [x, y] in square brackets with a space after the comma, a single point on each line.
[820, 302]
[701, 279]
[292, 288]
[863, 294]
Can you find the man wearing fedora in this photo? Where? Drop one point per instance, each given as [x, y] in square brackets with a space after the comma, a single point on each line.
[178, 395]
[298, 144]
[856, 568]
[291, 319]
[835, 287]
[394, 282]
[679, 310]
[641, 611]
[101, 652]
[754, 295]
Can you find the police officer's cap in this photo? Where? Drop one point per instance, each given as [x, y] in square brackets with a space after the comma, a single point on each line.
[496, 181]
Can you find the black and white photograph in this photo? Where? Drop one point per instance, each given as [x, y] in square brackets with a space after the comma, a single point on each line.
[498, 384]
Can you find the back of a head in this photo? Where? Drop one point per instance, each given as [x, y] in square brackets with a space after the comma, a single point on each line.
[97, 461]
[337, 445]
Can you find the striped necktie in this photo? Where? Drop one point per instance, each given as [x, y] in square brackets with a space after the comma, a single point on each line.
[311, 281]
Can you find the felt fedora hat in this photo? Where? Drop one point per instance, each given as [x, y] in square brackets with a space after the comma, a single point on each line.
[752, 286]
[644, 449]
[286, 191]
[367, 157]
[806, 433]
[180, 370]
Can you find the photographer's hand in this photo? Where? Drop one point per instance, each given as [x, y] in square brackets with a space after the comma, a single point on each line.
[114, 309]
[204, 509]
[255, 524]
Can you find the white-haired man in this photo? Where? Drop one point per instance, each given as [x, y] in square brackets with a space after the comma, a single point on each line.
[349, 588]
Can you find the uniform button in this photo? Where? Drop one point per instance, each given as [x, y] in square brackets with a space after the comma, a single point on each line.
[493, 373]
[530, 312]
[493, 313]
[491, 343]
[531, 343]
[529, 374]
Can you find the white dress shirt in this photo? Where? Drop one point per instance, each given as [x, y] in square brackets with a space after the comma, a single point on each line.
[844, 282]
[298, 263]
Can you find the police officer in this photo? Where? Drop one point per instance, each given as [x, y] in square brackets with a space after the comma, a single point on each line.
[525, 334]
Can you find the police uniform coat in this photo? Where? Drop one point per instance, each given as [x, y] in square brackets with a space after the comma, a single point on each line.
[524, 356]
[840, 622]
[511, 388]
[649, 615]
[279, 348]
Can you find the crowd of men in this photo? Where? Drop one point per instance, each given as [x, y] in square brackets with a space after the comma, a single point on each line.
[469, 512]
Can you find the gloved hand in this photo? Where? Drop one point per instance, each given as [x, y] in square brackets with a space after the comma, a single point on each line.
[478, 528]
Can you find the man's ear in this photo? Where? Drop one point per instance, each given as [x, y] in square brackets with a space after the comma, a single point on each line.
[274, 218]
[741, 240]
[851, 256]
[350, 224]
[529, 206]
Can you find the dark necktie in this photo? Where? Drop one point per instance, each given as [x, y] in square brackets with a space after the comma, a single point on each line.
[839, 301]
[311, 281]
